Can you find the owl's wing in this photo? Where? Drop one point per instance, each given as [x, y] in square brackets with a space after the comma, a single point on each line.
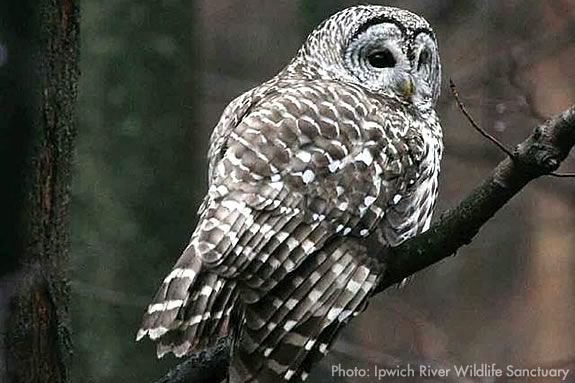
[229, 120]
[305, 169]
[315, 161]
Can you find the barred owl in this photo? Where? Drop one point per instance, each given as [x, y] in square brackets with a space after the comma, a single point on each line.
[309, 172]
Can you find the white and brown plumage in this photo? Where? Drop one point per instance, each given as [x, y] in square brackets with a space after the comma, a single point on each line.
[336, 154]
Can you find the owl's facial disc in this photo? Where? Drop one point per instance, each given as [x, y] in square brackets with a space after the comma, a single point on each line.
[375, 58]
[425, 65]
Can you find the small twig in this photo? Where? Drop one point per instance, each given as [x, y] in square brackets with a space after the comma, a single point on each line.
[529, 100]
[482, 131]
[491, 138]
[459, 225]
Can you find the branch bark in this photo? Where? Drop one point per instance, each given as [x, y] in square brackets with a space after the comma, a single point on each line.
[203, 367]
[540, 154]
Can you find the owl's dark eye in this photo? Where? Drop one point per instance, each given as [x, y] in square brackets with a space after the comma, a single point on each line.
[381, 59]
[424, 58]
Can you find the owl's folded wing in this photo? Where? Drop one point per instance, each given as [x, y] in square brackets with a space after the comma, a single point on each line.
[315, 161]
[303, 173]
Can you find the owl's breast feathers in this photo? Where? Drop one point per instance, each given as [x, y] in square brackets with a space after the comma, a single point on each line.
[298, 174]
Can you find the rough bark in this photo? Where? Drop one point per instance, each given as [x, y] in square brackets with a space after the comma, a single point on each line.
[540, 154]
[36, 338]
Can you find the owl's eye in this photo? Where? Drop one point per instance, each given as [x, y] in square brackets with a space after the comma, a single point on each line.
[381, 59]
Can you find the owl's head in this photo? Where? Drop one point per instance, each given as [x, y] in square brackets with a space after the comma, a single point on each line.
[386, 50]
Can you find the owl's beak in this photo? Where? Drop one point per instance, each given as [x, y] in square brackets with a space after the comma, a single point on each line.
[407, 87]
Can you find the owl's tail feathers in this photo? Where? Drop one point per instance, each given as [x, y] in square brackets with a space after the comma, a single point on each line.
[292, 327]
[191, 309]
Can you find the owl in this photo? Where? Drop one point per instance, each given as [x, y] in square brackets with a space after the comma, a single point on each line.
[309, 175]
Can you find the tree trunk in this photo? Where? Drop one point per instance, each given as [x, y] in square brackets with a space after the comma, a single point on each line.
[39, 82]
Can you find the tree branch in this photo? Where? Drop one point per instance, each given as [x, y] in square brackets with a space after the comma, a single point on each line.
[207, 366]
[540, 154]
[475, 125]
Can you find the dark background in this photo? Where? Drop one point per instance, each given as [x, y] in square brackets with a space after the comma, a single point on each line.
[157, 74]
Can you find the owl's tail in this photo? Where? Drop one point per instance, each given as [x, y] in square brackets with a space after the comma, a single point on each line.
[191, 309]
[293, 326]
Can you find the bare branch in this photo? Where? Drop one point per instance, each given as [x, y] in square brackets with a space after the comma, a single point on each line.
[482, 131]
[209, 366]
[490, 137]
[540, 154]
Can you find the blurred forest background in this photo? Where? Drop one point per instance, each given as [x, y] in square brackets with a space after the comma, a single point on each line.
[157, 74]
